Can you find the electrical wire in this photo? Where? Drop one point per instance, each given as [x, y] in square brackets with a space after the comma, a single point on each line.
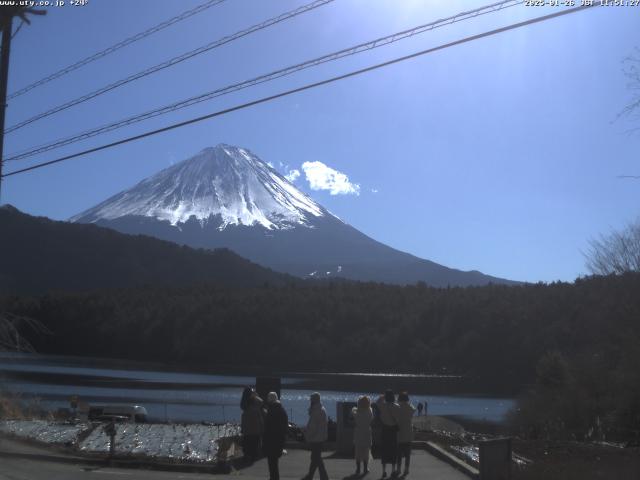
[307, 87]
[377, 43]
[17, 30]
[171, 62]
[128, 41]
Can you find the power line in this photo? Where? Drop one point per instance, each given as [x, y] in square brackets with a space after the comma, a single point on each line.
[172, 61]
[17, 29]
[268, 77]
[128, 41]
[306, 87]
[379, 42]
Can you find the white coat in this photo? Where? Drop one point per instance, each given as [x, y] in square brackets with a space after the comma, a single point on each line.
[405, 425]
[388, 412]
[316, 430]
[362, 431]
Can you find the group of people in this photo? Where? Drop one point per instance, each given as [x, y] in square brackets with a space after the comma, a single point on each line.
[396, 431]
[265, 427]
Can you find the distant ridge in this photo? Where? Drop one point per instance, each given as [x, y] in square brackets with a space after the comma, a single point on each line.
[43, 255]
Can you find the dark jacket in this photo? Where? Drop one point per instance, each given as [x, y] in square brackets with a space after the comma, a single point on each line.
[276, 424]
[252, 422]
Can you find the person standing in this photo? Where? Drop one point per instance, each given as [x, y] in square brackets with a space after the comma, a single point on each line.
[276, 424]
[315, 435]
[251, 423]
[420, 408]
[389, 418]
[405, 431]
[362, 416]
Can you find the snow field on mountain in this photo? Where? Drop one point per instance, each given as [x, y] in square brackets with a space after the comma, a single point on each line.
[224, 181]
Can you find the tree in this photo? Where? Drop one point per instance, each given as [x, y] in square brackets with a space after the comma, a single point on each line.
[617, 253]
[552, 371]
[10, 336]
[631, 70]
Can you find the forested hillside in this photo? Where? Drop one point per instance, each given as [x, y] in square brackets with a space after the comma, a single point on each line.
[494, 331]
[42, 255]
[577, 345]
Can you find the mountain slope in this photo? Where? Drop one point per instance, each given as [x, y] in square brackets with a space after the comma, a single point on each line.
[48, 255]
[225, 182]
[226, 196]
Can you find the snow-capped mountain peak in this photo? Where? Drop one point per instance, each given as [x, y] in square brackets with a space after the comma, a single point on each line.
[224, 182]
[227, 197]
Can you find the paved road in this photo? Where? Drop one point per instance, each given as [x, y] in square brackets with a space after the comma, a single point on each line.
[29, 464]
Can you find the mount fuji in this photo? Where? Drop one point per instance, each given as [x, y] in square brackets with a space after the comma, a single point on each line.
[226, 196]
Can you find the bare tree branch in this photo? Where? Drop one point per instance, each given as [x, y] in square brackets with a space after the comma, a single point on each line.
[11, 337]
[615, 253]
[631, 70]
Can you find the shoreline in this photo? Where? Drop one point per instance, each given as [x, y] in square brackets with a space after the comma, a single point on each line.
[415, 383]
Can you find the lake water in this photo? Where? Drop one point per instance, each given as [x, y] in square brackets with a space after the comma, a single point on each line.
[196, 397]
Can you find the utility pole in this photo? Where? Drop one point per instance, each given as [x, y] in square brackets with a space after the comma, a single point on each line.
[4, 77]
[6, 23]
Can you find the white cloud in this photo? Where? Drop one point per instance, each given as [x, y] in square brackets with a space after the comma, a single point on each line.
[374, 190]
[323, 177]
[293, 175]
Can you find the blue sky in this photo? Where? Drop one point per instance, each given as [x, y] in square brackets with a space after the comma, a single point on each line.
[500, 155]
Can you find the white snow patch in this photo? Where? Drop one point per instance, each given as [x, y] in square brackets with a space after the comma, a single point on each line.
[44, 431]
[187, 443]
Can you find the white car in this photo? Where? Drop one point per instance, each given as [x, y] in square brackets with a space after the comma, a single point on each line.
[119, 413]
